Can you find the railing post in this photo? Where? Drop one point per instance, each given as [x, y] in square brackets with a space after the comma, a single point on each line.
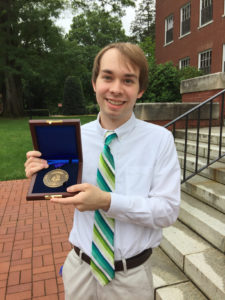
[197, 141]
[221, 124]
[210, 127]
[185, 148]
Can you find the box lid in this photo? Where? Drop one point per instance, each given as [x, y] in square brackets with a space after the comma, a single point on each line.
[57, 139]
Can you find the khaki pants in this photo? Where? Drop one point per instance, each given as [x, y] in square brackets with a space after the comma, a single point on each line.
[80, 284]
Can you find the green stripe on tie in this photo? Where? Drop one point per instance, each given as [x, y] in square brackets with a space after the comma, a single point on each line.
[102, 254]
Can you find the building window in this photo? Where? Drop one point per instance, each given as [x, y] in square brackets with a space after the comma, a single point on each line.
[185, 19]
[169, 29]
[205, 61]
[206, 9]
[184, 62]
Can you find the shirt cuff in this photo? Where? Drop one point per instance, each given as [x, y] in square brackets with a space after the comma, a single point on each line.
[119, 204]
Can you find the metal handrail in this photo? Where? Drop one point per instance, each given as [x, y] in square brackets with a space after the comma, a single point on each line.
[187, 118]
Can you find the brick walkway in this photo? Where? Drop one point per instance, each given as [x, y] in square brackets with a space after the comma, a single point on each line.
[33, 244]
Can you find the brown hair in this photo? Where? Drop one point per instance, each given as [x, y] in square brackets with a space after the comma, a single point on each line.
[133, 53]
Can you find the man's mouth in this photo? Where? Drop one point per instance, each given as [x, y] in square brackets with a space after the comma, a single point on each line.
[114, 102]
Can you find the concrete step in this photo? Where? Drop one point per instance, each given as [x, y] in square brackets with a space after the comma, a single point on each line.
[216, 171]
[203, 219]
[165, 272]
[207, 270]
[180, 291]
[206, 190]
[203, 149]
[183, 246]
[179, 241]
[203, 135]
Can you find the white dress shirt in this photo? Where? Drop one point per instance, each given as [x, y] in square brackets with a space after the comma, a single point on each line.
[147, 187]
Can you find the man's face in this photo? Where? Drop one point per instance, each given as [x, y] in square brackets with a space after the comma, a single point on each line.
[117, 88]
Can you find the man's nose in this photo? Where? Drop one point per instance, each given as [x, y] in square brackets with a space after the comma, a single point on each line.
[116, 87]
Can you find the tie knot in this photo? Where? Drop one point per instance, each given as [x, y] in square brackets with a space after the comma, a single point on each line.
[109, 136]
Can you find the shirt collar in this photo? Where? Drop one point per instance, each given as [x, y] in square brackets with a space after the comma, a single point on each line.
[121, 131]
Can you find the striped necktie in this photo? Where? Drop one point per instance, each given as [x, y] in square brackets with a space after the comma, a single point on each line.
[102, 261]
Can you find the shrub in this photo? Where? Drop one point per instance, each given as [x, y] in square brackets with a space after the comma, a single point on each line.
[73, 98]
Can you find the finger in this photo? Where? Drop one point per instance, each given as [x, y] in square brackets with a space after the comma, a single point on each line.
[67, 200]
[33, 160]
[33, 153]
[34, 169]
[77, 188]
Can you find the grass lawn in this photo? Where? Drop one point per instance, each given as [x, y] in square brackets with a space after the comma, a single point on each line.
[15, 141]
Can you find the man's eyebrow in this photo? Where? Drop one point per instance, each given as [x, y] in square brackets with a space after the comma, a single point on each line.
[106, 71]
[130, 75]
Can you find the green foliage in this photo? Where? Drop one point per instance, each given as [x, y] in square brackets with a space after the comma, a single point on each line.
[112, 7]
[164, 82]
[144, 23]
[190, 72]
[73, 100]
[92, 109]
[148, 46]
[28, 39]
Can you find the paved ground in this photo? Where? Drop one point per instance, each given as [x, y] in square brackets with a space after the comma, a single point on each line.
[33, 244]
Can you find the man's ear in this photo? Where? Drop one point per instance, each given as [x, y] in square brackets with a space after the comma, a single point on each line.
[93, 85]
[140, 94]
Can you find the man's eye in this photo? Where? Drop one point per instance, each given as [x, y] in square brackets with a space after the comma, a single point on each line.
[107, 77]
[128, 81]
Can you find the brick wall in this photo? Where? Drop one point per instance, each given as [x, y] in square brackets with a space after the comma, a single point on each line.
[200, 39]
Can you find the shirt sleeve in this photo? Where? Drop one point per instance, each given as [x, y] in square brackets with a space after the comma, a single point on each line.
[161, 206]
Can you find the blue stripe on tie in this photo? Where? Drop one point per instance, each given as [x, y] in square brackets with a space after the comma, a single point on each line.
[104, 227]
[102, 183]
[102, 261]
[108, 155]
[109, 138]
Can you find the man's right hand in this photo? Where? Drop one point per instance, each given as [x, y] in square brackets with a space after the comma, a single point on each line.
[34, 163]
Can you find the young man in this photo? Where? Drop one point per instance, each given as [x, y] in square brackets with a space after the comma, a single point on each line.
[146, 195]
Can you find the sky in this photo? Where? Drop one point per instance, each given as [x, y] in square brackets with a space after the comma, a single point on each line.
[66, 19]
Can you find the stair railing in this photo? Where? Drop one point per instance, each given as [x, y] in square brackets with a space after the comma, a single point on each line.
[186, 118]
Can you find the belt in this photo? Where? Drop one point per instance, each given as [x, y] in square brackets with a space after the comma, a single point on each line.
[131, 262]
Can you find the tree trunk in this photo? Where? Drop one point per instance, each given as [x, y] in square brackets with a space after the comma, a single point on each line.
[13, 104]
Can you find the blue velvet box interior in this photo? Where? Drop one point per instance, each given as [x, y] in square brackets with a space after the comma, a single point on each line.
[58, 146]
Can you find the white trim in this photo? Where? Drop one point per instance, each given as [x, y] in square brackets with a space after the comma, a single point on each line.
[200, 10]
[166, 28]
[223, 58]
[182, 36]
[206, 24]
[183, 59]
[199, 56]
[181, 18]
[168, 44]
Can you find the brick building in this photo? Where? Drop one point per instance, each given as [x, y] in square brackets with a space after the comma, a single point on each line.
[191, 32]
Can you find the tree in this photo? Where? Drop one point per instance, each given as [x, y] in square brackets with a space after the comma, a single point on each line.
[27, 35]
[144, 23]
[92, 30]
[73, 100]
[113, 7]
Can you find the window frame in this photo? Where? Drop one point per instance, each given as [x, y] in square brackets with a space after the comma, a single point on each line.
[200, 13]
[200, 60]
[181, 19]
[171, 16]
[185, 59]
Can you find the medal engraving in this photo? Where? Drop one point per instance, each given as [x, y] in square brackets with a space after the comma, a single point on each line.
[55, 178]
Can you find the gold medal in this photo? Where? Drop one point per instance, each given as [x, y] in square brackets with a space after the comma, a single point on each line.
[55, 178]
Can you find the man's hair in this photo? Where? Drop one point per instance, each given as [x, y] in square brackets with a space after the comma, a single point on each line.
[135, 56]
